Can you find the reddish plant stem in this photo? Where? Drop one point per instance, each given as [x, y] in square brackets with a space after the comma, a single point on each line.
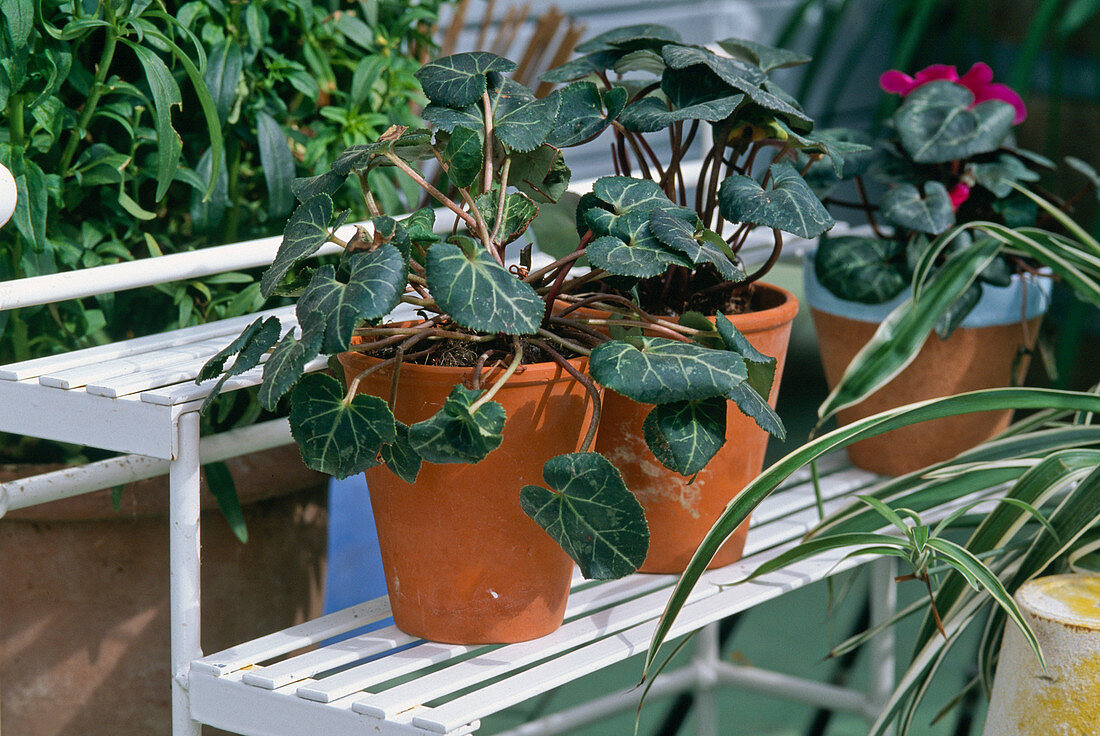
[776, 250]
[589, 386]
[563, 271]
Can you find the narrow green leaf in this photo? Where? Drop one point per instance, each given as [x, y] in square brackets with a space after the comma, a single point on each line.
[224, 489]
[278, 165]
[166, 93]
[223, 76]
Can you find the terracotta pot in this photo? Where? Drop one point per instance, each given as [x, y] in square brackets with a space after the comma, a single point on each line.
[980, 354]
[681, 512]
[463, 563]
[84, 618]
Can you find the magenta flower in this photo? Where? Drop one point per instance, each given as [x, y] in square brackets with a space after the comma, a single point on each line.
[979, 80]
[959, 194]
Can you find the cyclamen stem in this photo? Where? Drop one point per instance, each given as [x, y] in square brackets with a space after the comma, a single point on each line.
[487, 178]
[534, 276]
[579, 349]
[776, 250]
[368, 197]
[517, 360]
[589, 386]
[353, 387]
[563, 271]
[430, 189]
[501, 204]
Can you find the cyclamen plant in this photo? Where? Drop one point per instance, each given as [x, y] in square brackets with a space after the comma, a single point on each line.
[500, 149]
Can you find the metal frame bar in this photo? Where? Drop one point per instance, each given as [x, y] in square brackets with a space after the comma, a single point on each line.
[184, 584]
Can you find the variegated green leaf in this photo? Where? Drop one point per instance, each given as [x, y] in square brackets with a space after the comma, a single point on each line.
[306, 231]
[756, 407]
[584, 113]
[660, 371]
[540, 174]
[761, 368]
[682, 236]
[641, 260]
[249, 347]
[464, 156]
[589, 511]
[460, 80]
[928, 212]
[788, 204]
[479, 293]
[521, 122]
[519, 211]
[335, 436]
[939, 122]
[400, 457]
[640, 35]
[999, 176]
[284, 367]
[685, 435]
[651, 114]
[454, 434]
[582, 67]
[764, 56]
[861, 269]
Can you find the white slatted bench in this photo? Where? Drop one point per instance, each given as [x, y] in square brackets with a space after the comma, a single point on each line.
[139, 397]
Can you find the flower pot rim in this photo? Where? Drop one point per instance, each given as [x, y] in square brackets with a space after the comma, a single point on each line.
[998, 305]
[770, 317]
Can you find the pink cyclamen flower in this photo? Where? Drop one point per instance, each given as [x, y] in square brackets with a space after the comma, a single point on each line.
[979, 80]
[959, 194]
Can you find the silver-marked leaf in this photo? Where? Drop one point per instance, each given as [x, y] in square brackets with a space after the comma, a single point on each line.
[479, 293]
[931, 213]
[861, 269]
[680, 235]
[459, 80]
[519, 210]
[641, 260]
[640, 35]
[389, 230]
[589, 511]
[756, 407]
[400, 457]
[761, 368]
[999, 176]
[464, 156]
[374, 287]
[788, 204]
[249, 347]
[687, 88]
[643, 60]
[285, 365]
[412, 144]
[305, 188]
[848, 152]
[305, 232]
[454, 434]
[764, 56]
[582, 67]
[685, 435]
[521, 122]
[661, 371]
[540, 174]
[584, 113]
[338, 437]
[448, 119]
[651, 114]
[616, 197]
[939, 122]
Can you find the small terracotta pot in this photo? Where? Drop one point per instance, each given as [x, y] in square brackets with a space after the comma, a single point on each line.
[464, 564]
[680, 514]
[973, 358]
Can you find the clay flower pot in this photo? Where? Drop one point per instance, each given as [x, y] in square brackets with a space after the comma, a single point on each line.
[982, 353]
[464, 564]
[681, 512]
[84, 636]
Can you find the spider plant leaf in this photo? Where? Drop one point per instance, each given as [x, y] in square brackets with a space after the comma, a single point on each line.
[589, 511]
[813, 547]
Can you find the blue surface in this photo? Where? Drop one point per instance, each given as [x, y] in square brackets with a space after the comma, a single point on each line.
[354, 562]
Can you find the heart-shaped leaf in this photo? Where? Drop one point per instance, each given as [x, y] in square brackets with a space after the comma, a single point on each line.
[761, 367]
[756, 407]
[660, 371]
[650, 114]
[460, 80]
[521, 122]
[327, 183]
[939, 122]
[306, 231]
[617, 197]
[584, 113]
[931, 213]
[420, 226]
[285, 365]
[641, 260]
[764, 56]
[400, 457]
[685, 435]
[249, 347]
[519, 210]
[581, 67]
[861, 269]
[640, 35]
[589, 511]
[999, 176]
[338, 437]
[374, 288]
[540, 174]
[681, 236]
[789, 204]
[479, 293]
[412, 144]
[454, 434]
[463, 156]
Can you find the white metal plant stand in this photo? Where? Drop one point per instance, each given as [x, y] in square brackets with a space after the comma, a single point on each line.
[139, 397]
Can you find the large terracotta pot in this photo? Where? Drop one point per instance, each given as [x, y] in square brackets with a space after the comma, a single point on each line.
[463, 562]
[983, 353]
[680, 512]
[84, 617]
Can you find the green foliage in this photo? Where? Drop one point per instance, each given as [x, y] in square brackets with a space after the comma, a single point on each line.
[864, 269]
[459, 432]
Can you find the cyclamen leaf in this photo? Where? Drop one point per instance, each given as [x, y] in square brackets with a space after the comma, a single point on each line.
[519, 211]
[460, 80]
[789, 204]
[420, 226]
[463, 156]
[680, 235]
[939, 122]
[589, 511]
[861, 269]
[521, 122]
[374, 288]
[454, 434]
[400, 457]
[685, 435]
[306, 231]
[651, 114]
[999, 176]
[540, 174]
[285, 365]
[764, 56]
[479, 293]
[662, 371]
[581, 114]
[412, 144]
[305, 188]
[761, 368]
[641, 260]
[639, 35]
[931, 213]
[249, 347]
[581, 67]
[756, 407]
[338, 437]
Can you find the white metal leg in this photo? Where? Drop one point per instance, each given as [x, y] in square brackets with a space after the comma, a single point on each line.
[183, 476]
[706, 663]
[882, 649]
